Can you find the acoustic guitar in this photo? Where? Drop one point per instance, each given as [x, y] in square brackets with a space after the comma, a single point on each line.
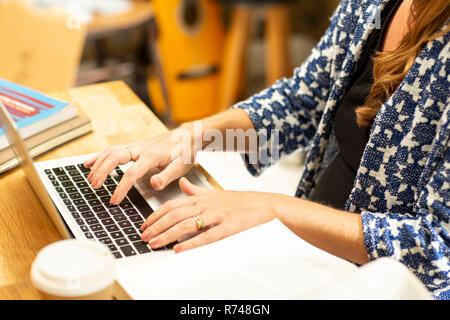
[189, 42]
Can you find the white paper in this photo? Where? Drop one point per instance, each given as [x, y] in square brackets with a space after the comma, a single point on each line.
[228, 169]
[265, 262]
[384, 278]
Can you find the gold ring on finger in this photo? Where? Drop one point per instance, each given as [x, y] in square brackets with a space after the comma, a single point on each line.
[200, 223]
[131, 155]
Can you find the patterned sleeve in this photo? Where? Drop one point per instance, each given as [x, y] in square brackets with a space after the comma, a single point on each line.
[420, 240]
[293, 107]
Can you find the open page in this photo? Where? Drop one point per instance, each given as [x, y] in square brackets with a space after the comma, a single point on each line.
[265, 262]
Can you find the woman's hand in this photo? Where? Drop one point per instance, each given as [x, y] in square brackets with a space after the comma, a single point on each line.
[163, 152]
[173, 153]
[223, 213]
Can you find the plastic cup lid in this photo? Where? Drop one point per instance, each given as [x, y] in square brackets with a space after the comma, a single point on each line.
[73, 268]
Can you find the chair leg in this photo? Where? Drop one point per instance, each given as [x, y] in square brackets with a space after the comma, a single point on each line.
[277, 56]
[234, 56]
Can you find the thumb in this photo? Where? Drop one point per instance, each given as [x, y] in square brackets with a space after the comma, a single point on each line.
[172, 171]
[189, 188]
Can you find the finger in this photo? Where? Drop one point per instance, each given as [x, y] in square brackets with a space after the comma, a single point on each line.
[89, 177]
[136, 171]
[170, 220]
[97, 164]
[208, 236]
[178, 231]
[172, 171]
[120, 156]
[165, 208]
[102, 173]
[189, 188]
[88, 163]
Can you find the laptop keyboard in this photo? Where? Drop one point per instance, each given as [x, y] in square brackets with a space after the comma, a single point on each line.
[117, 226]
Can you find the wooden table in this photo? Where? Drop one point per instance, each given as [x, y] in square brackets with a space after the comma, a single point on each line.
[118, 116]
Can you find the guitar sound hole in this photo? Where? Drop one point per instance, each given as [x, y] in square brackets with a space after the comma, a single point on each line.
[191, 12]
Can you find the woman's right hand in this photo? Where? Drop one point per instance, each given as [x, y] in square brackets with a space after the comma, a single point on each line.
[164, 152]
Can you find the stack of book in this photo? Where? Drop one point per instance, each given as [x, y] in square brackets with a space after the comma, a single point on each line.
[43, 122]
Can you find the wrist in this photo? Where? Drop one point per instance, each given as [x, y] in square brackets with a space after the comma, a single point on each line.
[277, 204]
[286, 208]
[195, 131]
[199, 129]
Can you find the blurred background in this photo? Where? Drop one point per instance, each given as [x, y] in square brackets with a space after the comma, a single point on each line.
[186, 59]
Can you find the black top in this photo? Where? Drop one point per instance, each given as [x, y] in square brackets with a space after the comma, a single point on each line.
[336, 183]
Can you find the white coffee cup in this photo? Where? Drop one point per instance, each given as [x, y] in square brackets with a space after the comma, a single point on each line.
[74, 269]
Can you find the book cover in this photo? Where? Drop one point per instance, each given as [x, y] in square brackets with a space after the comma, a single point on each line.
[31, 110]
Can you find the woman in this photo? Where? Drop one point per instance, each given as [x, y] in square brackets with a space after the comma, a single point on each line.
[372, 105]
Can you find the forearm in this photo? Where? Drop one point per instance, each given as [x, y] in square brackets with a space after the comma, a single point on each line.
[234, 121]
[231, 119]
[337, 232]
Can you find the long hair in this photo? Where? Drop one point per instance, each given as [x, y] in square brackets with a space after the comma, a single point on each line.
[427, 17]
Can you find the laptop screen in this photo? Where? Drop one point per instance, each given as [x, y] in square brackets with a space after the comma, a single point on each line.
[18, 146]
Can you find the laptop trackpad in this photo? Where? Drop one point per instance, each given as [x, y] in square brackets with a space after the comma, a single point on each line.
[156, 198]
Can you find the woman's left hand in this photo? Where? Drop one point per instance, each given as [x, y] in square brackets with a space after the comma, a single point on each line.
[223, 213]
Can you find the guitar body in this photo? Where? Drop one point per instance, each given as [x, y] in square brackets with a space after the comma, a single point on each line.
[190, 41]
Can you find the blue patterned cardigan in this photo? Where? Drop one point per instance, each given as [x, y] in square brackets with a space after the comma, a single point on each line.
[402, 187]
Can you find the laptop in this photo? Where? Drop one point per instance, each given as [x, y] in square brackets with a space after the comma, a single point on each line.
[79, 211]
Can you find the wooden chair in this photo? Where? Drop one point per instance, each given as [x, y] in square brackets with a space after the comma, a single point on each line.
[41, 48]
[277, 60]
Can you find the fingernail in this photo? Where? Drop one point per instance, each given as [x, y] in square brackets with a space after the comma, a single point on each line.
[98, 184]
[113, 199]
[153, 242]
[177, 248]
[145, 235]
[144, 226]
[158, 182]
